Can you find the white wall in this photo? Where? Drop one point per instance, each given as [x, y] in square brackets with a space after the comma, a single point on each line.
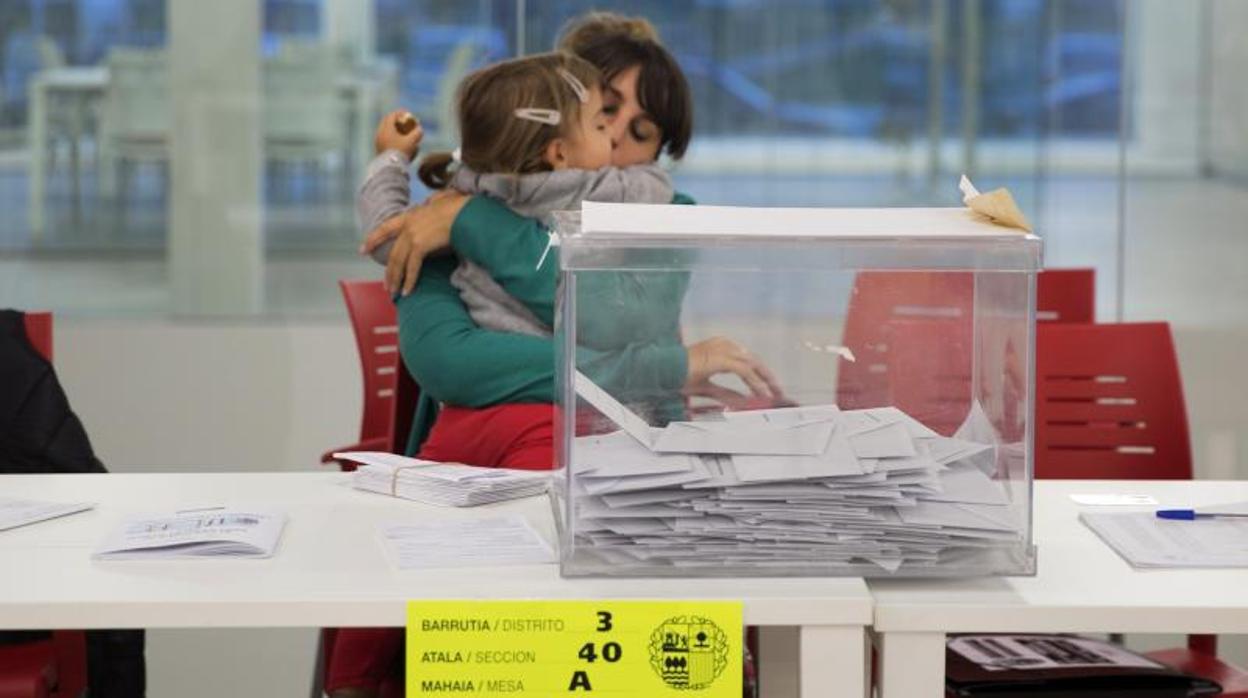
[158, 396]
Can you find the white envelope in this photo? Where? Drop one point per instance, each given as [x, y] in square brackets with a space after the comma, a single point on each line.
[890, 440]
[805, 439]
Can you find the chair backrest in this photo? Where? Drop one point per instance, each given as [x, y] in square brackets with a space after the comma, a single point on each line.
[1066, 295]
[373, 321]
[908, 331]
[39, 332]
[1109, 403]
[137, 104]
[887, 311]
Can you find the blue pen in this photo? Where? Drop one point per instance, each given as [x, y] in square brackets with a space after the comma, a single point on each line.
[1192, 514]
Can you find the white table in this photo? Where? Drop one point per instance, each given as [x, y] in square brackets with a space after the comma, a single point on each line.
[1082, 586]
[330, 570]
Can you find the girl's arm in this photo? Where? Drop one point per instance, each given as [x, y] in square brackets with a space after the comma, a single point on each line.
[385, 193]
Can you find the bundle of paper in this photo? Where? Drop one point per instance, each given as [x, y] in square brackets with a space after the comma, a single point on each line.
[211, 532]
[803, 486]
[446, 484]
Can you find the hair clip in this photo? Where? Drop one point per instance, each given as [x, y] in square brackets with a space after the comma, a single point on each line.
[577, 86]
[550, 117]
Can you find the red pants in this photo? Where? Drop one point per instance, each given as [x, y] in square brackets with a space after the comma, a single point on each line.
[504, 436]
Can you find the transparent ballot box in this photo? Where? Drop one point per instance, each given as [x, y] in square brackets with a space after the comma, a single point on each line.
[775, 392]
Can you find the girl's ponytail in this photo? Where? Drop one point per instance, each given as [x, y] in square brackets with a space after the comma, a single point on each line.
[435, 170]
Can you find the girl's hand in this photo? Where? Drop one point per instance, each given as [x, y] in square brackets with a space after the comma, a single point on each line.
[722, 355]
[417, 232]
[399, 130]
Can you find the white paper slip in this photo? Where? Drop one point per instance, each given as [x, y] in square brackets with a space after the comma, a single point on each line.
[1144, 540]
[1114, 500]
[22, 512]
[207, 532]
[498, 541]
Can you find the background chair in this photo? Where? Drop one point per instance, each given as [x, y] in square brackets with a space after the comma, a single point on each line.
[887, 312]
[390, 396]
[305, 119]
[1109, 405]
[373, 321]
[135, 118]
[909, 333]
[54, 667]
[1066, 295]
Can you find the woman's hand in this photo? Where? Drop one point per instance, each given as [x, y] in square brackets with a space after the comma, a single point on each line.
[417, 232]
[721, 355]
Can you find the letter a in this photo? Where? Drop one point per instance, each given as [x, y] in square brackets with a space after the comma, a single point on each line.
[580, 680]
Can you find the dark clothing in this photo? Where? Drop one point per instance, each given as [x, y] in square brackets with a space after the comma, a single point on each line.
[39, 433]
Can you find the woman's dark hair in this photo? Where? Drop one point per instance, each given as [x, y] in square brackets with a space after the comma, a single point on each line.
[614, 43]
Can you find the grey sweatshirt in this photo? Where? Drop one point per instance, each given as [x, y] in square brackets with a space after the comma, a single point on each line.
[386, 192]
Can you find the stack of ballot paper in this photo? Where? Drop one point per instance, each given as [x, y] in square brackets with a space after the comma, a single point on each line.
[813, 486]
[447, 484]
[209, 532]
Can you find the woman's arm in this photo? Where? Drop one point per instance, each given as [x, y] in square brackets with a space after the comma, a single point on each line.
[457, 362]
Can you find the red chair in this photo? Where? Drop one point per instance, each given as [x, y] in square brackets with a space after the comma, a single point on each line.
[910, 331]
[373, 321]
[390, 397]
[887, 313]
[39, 333]
[1066, 295]
[1109, 405]
[56, 667]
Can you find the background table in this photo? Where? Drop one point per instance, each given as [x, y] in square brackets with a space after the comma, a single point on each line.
[1082, 586]
[330, 569]
[368, 91]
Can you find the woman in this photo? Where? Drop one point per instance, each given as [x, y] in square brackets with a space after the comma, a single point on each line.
[649, 108]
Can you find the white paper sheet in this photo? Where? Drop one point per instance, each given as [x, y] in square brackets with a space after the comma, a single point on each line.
[492, 542]
[22, 512]
[1144, 540]
[1114, 500]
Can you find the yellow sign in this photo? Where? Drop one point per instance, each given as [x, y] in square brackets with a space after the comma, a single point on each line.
[596, 648]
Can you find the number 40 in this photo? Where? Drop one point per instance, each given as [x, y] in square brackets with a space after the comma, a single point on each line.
[611, 652]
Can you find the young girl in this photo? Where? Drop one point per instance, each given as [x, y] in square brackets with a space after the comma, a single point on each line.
[533, 137]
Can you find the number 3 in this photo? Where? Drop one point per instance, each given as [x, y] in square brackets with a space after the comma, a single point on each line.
[604, 621]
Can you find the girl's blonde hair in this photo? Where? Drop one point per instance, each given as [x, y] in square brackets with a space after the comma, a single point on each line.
[492, 138]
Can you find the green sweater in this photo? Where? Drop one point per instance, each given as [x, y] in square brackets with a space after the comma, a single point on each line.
[455, 361]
